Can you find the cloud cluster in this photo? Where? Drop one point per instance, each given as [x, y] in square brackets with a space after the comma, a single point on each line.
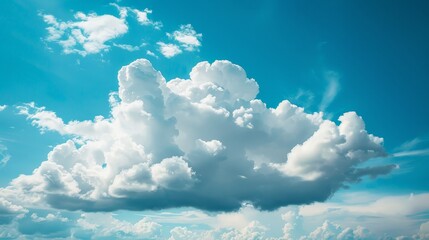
[332, 221]
[256, 231]
[187, 39]
[104, 225]
[205, 142]
[92, 33]
[88, 34]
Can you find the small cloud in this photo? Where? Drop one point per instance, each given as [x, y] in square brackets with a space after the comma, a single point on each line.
[150, 53]
[143, 19]
[189, 39]
[123, 11]
[169, 50]
[129, 48]
[3, 107]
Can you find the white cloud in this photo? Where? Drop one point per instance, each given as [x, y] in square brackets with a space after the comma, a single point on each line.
[123, 11]
[150, 53]
[129, 48]
[173, 173]
[333, 147]
[169, 50]
[143, 18]
[49, 218]
[88, 34]
[401, 205]
[395, 215]
[247, 223]
[189, 39]
[213, 147]
[101, 225]
[204, 142]
[3, 107]
[330, 230]
[420, 152]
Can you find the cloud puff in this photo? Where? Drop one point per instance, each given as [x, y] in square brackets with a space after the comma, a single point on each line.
[143, 19]
[3, 107]
[205, 142]
[189, 39]
[169, 50]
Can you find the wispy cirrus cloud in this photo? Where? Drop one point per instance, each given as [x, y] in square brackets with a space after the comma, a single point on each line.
[332, 89]
[413, 147]
[4, 155]
[127, 47]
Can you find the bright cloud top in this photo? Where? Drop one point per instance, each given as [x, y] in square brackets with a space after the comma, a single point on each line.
[204, 142]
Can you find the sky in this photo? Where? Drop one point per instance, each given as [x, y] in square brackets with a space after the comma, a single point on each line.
[214, 119]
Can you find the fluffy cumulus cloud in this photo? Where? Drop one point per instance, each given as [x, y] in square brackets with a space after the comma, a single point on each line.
[205, 142]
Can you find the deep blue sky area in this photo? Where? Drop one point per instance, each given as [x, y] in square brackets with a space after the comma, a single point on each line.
[378, 52]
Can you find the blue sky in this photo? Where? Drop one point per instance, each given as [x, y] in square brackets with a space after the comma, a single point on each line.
[60, 63]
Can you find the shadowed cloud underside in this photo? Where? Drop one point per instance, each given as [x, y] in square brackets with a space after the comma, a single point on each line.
[204, 142]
